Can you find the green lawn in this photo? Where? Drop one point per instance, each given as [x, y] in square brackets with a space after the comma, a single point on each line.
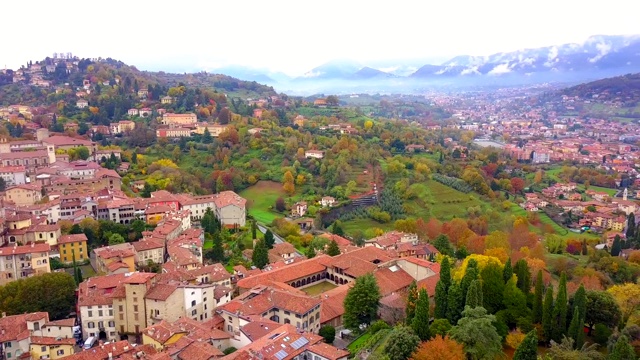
[319, 288]
[609, 191]
[261, 197]
[363, 224]
[355, 346]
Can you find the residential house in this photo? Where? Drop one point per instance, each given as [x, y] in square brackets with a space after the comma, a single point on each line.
[179, 119]
[149, 249]
[299, 209]
[230, 209]
[73, 248]
[25, 194]
[47, 347]
[114, 259]
[19, 262]
[316, 154]
[13, 175]
[327, 201]
[82, 103]
[166, 99]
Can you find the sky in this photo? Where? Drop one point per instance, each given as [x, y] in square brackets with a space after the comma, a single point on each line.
[295, 36]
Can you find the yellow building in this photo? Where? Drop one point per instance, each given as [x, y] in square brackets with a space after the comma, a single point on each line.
[25, 194]
[115, 259]
[162, 335]
[45, 347]
[71, 246]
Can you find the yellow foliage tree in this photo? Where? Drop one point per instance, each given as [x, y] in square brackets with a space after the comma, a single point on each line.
[368, 125]
[300, 180]
[498, 252]
[514, 339]
[163, 163]
[482, 260]
[289, 188]
[628, 298]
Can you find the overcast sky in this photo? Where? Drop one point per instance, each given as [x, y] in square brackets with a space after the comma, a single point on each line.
[295, 36]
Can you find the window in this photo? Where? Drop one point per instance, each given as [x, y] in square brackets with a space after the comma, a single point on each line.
[7, 344]
[91, 325]
[135, 299]
[43, 348]
[121, 316]
[112, 323]
[135, 316]
[135, 307]
[193, 303]
[110, 312]
[193, 312]
[229, 328]
[120, 308]
[36, 326]
[60, 352]
[90, 313]
[99, 312]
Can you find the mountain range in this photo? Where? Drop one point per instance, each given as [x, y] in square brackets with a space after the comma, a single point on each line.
[599, 56]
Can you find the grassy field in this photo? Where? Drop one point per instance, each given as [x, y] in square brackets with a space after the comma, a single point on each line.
[355, 346]
[363, 224]
[260, 198]
[441, 201]
[319, 288]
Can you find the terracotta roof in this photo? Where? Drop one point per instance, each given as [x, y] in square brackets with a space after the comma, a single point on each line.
[14, 326]
[391, 281]
[333, 303]
[216, 272]
[47, 340]
[116, 350]
[279, 341]
[64, 322]
[147, 244]
[262, 299]
[256, 329]
[26, 249]
[161, 291]
[338, 239]
[60, 140]
[287, 274]
[327, 351]
[227, 198]
[139, 278]
[67, 239]
[162, 331]
[97, 290]
[120, 250]
[116, 265]
[198, 350]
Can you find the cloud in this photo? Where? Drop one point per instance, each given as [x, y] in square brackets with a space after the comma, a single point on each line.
[470, 71]
[603, 49]
[552, 56]
[389, 69]
[500, 69]
[312, 74]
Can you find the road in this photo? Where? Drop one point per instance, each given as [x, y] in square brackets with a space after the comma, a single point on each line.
[276, 238]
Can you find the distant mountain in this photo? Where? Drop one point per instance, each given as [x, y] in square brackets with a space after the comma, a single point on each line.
[336, 69]
[371, 73]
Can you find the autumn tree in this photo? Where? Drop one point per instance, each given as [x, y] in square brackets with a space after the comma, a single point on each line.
[361, 303]
[439, 348]
[420, 323]
[627, 297]
[224, 116]
[287, 182]
[517, 184]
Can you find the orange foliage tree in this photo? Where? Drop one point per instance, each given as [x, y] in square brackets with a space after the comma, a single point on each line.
[439, 348]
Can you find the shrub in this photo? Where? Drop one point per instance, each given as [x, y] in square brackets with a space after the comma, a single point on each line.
[601, 334]
[377, 326]
[328, 332]
[229, 350]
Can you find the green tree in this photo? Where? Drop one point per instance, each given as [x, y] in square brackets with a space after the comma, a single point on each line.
[336, 228]
[52, 292]
[623, 350]
[420, 323]
[560, 310]
[402, 343]
[328, 332]
[476, 332]
[209, 222]
[537, 299]
[515, 303]
[260, 257]
[412, 300]
[445, 273]
[115, 239]
[217, 251]
[455, 303]
[440, 298]
[565, 351]
[3, 184]
[443, 245]
[361, 302]
[492, 287]
[269, 239]
[576, 327]
[206, 137]
[75, 229]
[311, 253]
[471, 274]
[528, 349]
[474, 295]
[602, 308]
[547, 314]
[440, 327]
[333, 249]
[507, 272]
[631, 226]
[521, 269]
[616, 247]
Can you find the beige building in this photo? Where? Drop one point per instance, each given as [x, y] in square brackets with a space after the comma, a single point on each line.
[214, 129]
[129, 304]
[149, 249]
[19, 262]
[23, 195]
[179, 119]
[230, 209]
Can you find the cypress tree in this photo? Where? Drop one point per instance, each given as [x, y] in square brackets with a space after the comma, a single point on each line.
[560, 310]
[420, 323]
[507, 273]
[547, 314]
[445, 273]
[616, 247]
[521, 269]
[631, 226]
[537, 300]
[441, 299]
[579, 317]
[472, 295]
[492, 288]
[470, 274]
[412, 299]
[455, 303]
[528, 349]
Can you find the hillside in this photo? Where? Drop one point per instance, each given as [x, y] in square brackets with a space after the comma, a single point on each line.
[625, 88]
[41, 80]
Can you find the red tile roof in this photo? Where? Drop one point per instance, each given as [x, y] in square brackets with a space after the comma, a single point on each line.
[289, 273]
[74, 238]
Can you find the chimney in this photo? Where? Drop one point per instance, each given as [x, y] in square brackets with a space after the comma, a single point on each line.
[4, 314]
[110, 356]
